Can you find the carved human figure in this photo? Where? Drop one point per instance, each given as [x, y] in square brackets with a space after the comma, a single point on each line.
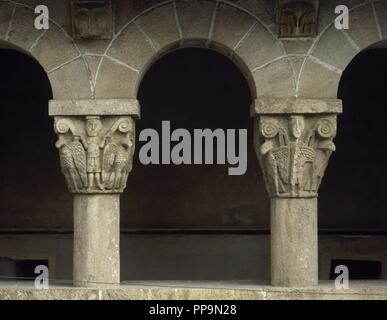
[94, 158]
[93, 152]
[301, 155]
[295, 156]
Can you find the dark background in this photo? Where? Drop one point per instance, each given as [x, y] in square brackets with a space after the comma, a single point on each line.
[193, 88]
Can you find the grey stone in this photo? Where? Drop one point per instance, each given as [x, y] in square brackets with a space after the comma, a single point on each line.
[195, 18]
[96, 240]
[326, 49]
[318, 82]
[100, 107]
[53, 41]
[22, 32]
[160, 26]
[6, 9]
[294, 242]
[275, 80]
[295, 106]
[230, 25]
[362, 26]
[259, 48]
[138, 55]
[381, 12]
[115, 81]
[71, 81]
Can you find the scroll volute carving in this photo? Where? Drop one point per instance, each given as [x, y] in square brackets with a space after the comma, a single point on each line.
[294, 153]
[96, 153]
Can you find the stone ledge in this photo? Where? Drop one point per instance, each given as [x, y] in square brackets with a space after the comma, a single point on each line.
[193, 290]
[295, 106]
[98, 107]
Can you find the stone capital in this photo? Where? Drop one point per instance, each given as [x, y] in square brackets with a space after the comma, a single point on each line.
[96, 142]
[293, 140]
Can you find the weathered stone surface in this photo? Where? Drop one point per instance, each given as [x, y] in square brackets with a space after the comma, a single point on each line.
[98, 107]
[296, 106]
[381, 12]
[160, 26]
[293, 139]
[362, 26]
[92, 46]
[294, 152]
[22, 32]
[59, 11]
[188, 290]
[326, 49]
[96, 152]
[317, 81]
[294, 242]
[115, 81]
[137, 56]
[195, 18]
[262, 9]
[96, 240]
[126, 10]
[53, 41]
[71, 81]
[297, 46]
[6, 9]
[93, 63]
[327, 11]
[275, 80]
[259, 48]
[92, 20]
[230, 25]
[296, 64]
[297, 19]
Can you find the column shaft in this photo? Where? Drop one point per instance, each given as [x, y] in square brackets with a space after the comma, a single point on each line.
[294, 251]
[96, 240]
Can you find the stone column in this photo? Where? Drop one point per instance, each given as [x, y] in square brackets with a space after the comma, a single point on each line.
[96, 142]
[293, 142]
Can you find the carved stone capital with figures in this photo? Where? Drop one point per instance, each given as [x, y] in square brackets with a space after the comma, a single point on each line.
[293, 142]
[96, 142]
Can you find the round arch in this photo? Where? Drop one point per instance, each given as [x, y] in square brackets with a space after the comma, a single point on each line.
[223, 26]
[333, 50]
[54, 49]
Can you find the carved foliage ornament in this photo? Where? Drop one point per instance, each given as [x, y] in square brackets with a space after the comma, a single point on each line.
[297, 18]
[95, 153]
[294, 153]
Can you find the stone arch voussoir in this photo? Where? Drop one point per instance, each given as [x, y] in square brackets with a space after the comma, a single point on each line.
[54, 49]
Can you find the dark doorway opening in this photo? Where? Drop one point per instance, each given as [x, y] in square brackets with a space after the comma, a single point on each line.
[355, 188]
[32, 188]
[195, 88]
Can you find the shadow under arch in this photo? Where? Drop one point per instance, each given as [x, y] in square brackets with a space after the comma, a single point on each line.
[32, 193]
[355, 187]
[195, 88]
[204, 44]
